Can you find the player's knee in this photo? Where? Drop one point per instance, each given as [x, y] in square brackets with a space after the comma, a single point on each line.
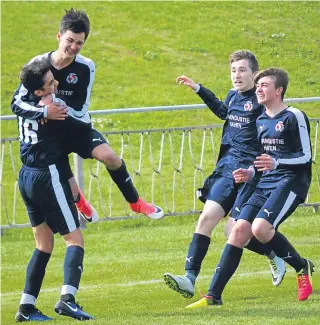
[108, 157]
[261, 230]
[44, 238]
[204, 219]
[74, 238]
[239, 235]
[206, 223]
[45, 245]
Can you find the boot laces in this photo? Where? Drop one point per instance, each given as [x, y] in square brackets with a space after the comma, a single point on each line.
[302, 280]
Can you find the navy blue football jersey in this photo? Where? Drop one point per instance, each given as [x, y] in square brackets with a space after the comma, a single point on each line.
[239, 144]
[42, 145]
[286, 138]
[75, 85]
[45, 144]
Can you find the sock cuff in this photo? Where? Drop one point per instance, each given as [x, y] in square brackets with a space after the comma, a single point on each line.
[27, 299]
[75, 248]
[232, 247]
[68, 289]
[123, 167]
[201, 238]
[42, 254]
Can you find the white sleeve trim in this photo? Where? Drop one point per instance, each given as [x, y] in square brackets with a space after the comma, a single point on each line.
[88, 62]
[304, 139]
[23, 105]
[197, 88]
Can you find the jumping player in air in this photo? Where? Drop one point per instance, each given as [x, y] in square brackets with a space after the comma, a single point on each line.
[75, 74]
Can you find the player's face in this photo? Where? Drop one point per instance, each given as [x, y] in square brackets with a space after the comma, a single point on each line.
[266, 91]
[50, 85]
[70, 44]
[241, 75]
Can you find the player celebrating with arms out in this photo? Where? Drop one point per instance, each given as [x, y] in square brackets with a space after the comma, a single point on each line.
[283, 133]
[239, 147]
[75, 74]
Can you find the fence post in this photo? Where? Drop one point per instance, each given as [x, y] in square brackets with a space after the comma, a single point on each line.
[79, 176]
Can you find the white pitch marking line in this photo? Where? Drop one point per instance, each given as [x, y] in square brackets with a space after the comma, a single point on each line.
[135, 283]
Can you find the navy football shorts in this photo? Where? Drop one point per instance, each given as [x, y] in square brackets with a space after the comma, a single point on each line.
[48, 198]
[84, 142]
[272, 204]
[228, 194]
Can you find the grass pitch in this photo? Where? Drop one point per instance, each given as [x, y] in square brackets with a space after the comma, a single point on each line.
[139, 49]
[124, 263]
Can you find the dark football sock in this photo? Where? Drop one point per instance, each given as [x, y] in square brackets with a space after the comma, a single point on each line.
[226, 267]
[36, 270]
[257, 247]
[282, 248]
[124, 182]
[26, 308]
[197, 251]
[68, 297]
[73, 266]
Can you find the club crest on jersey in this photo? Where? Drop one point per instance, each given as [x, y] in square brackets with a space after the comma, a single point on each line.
[248, 106]
[279, 126]
[72, 78]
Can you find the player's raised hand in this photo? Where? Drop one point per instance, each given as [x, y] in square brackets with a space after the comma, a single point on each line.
[57, 112]
[184, 80]
[264, 162]
[242, 175]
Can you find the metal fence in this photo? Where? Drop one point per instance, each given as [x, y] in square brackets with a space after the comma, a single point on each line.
[167, 165]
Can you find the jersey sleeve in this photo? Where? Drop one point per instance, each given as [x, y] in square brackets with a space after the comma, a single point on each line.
[301, 141]
[21, 107]
[83, 122]
[82, 102]
[218, 107]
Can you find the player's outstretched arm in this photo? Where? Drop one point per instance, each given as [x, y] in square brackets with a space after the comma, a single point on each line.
[184, 80]
[218, 107]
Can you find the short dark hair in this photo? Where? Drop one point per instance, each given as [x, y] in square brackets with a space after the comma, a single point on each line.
[33, 73]
[76, 21]
[280, 77]
[245, 55]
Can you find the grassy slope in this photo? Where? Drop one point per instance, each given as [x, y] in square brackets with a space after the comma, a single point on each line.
[139, 49]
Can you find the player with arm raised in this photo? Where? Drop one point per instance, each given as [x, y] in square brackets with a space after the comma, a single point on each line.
[284, 135]
[75, 74]
[239, 147]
